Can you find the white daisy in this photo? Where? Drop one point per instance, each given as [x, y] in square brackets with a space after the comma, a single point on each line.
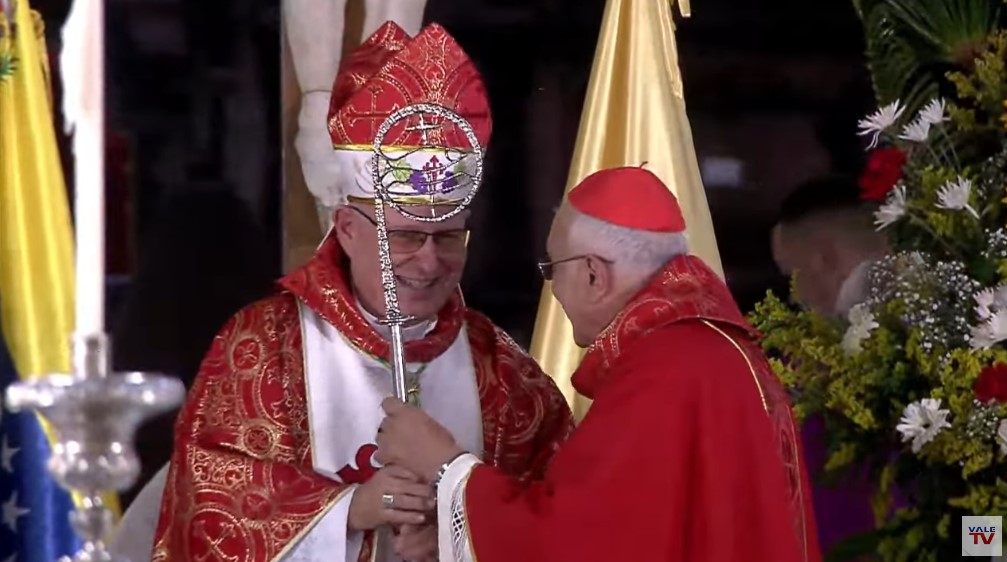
[985, 300]
[954, 196]
[1000, 297]
[1002, 436]
[933, 112]
[991, 331]
[990, 300]
[893, 208]
[879, 121]
[917, 131]
[991, 310]
[862, 323]
[922, 421]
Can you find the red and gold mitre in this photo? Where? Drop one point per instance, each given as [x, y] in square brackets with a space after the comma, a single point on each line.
[427, 159]
[358, 66]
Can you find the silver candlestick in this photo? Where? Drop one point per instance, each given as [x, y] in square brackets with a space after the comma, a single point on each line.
[382, 177]
[94, 415]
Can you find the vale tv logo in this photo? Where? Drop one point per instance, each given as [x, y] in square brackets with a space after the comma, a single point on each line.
[981, 535]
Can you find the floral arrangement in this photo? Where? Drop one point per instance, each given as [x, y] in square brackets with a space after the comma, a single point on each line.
[912, 384]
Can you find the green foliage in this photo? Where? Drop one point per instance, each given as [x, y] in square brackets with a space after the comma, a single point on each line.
[984, 84]
[862, 397]
[8, 64]
[911, 44]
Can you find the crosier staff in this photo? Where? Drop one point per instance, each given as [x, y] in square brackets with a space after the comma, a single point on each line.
[381, 168]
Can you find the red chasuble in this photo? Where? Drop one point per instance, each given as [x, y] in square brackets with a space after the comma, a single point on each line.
[242, 487]
[689, 452]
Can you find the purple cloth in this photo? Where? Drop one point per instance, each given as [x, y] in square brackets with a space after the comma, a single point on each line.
[842, 510]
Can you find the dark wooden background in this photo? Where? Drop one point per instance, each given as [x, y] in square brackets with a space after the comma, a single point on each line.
[194, 110]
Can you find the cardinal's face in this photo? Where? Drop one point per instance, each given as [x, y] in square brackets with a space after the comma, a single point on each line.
[427, 257]
[571, 279]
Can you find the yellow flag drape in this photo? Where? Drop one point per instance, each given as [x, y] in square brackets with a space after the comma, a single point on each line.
[634, 112]
[36, 234]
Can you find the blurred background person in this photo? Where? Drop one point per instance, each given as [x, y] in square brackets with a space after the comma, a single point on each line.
[826, 239]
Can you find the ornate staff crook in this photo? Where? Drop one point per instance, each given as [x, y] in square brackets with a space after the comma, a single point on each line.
[383, 194]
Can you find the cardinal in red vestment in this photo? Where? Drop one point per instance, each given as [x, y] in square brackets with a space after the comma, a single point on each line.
[689, 452]
[274, 448]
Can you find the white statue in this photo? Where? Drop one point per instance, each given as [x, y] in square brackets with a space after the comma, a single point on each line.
[314, 31]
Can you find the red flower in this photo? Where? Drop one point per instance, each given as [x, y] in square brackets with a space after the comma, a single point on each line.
[992, 384]
[884, 170]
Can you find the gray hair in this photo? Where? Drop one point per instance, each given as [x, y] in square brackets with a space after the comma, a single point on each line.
[639, 251]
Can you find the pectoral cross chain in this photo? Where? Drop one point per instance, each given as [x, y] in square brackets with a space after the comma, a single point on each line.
[413, 391]
[413, 386]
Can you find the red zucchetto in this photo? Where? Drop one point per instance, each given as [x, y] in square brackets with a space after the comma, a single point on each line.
[631, 197]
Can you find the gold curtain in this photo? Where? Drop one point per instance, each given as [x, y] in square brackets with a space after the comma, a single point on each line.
[634, 113]
[36, 233]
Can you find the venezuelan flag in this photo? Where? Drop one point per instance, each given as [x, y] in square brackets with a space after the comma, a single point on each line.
[36, 287]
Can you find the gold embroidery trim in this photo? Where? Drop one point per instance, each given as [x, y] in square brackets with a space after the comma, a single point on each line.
[765, 406]
[302, 320]
[409, 200]
[468, 528]
[397, 148]
[751, 367]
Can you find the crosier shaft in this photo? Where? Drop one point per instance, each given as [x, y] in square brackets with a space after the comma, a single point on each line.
[398, 363]
[393, 315]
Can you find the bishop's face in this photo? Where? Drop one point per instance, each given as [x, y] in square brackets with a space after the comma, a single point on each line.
[427, 257]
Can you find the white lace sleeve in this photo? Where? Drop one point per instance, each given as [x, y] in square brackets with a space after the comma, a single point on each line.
[453, 532]
[330, 539]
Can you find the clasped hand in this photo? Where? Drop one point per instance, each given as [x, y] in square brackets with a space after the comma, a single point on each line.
[408, 512]
[412, 446]
[410, 438]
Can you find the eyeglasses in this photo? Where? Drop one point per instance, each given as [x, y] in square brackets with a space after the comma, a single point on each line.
[546, 267]
[410, 241]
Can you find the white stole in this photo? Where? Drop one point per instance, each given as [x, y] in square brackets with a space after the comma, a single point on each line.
[345, 388]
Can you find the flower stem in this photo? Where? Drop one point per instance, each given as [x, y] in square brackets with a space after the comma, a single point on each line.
[918, 219]
[951, 145]
[937, 157]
